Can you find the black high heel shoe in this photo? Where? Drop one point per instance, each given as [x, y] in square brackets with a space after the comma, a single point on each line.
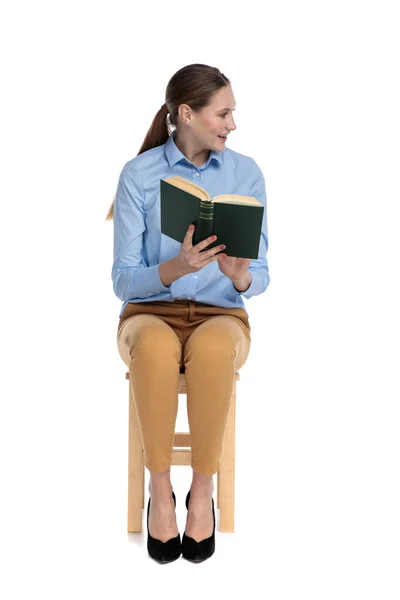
[163, 551]
[198, 551]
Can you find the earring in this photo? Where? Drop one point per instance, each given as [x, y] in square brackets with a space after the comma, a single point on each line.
[189, 124]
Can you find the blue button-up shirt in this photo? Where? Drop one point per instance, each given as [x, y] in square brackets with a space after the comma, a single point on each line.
[139, 245]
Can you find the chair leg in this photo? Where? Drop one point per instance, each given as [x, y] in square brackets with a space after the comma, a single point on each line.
[143, 478]
[135, 470]
[226, 474]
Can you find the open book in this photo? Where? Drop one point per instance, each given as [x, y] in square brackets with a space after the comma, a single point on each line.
[235, 220]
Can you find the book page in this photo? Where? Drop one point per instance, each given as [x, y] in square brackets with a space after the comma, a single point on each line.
[201, 193]
[236, 199]
[188, 186]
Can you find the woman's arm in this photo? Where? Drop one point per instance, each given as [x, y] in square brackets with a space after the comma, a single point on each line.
[169, 271]
[132, 278]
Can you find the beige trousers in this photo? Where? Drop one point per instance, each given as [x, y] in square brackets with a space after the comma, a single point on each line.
[158, 339]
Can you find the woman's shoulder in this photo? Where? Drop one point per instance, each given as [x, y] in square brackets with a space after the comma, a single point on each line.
[243, 163]
[145, 160]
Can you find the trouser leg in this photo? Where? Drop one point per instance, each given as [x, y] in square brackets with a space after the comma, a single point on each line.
[152, 351]
[215, 350]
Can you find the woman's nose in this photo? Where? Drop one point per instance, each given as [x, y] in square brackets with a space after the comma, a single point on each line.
[232, 124]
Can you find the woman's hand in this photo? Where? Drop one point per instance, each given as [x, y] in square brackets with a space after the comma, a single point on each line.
[190, 259]
[233, 267]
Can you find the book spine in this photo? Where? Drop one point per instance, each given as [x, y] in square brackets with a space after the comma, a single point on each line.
[205, 222]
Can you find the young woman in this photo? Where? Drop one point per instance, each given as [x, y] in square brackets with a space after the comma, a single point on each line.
[183, 308]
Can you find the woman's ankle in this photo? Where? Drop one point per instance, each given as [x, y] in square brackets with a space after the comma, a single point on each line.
[202, 485]
[160, 483]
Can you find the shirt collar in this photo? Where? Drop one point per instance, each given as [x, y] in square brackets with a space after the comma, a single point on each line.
[174, 155]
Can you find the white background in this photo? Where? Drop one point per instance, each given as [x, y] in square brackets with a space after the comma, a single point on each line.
[317, 465]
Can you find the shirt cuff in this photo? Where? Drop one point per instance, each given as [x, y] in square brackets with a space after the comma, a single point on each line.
[253, 287]
[146, 282]
[229, 291]
[252, 290]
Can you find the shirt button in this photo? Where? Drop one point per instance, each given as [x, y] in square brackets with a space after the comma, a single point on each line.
[194, 276]
[197, 174]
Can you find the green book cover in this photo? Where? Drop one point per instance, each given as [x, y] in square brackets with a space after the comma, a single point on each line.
[235, 220]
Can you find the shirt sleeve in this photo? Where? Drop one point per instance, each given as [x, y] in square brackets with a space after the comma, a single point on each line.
[131, 277]
[259, 266]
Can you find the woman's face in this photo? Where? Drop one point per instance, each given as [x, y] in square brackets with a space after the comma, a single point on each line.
[213, 120]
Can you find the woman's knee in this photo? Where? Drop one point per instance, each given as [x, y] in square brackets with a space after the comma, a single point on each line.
[218, 338]
[150, 337]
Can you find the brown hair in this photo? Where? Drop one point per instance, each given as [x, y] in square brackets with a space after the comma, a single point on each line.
[193, 85]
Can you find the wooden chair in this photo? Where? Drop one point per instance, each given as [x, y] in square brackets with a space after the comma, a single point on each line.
[181, 455]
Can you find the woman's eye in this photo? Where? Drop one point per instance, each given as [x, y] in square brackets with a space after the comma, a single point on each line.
[224, 115]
